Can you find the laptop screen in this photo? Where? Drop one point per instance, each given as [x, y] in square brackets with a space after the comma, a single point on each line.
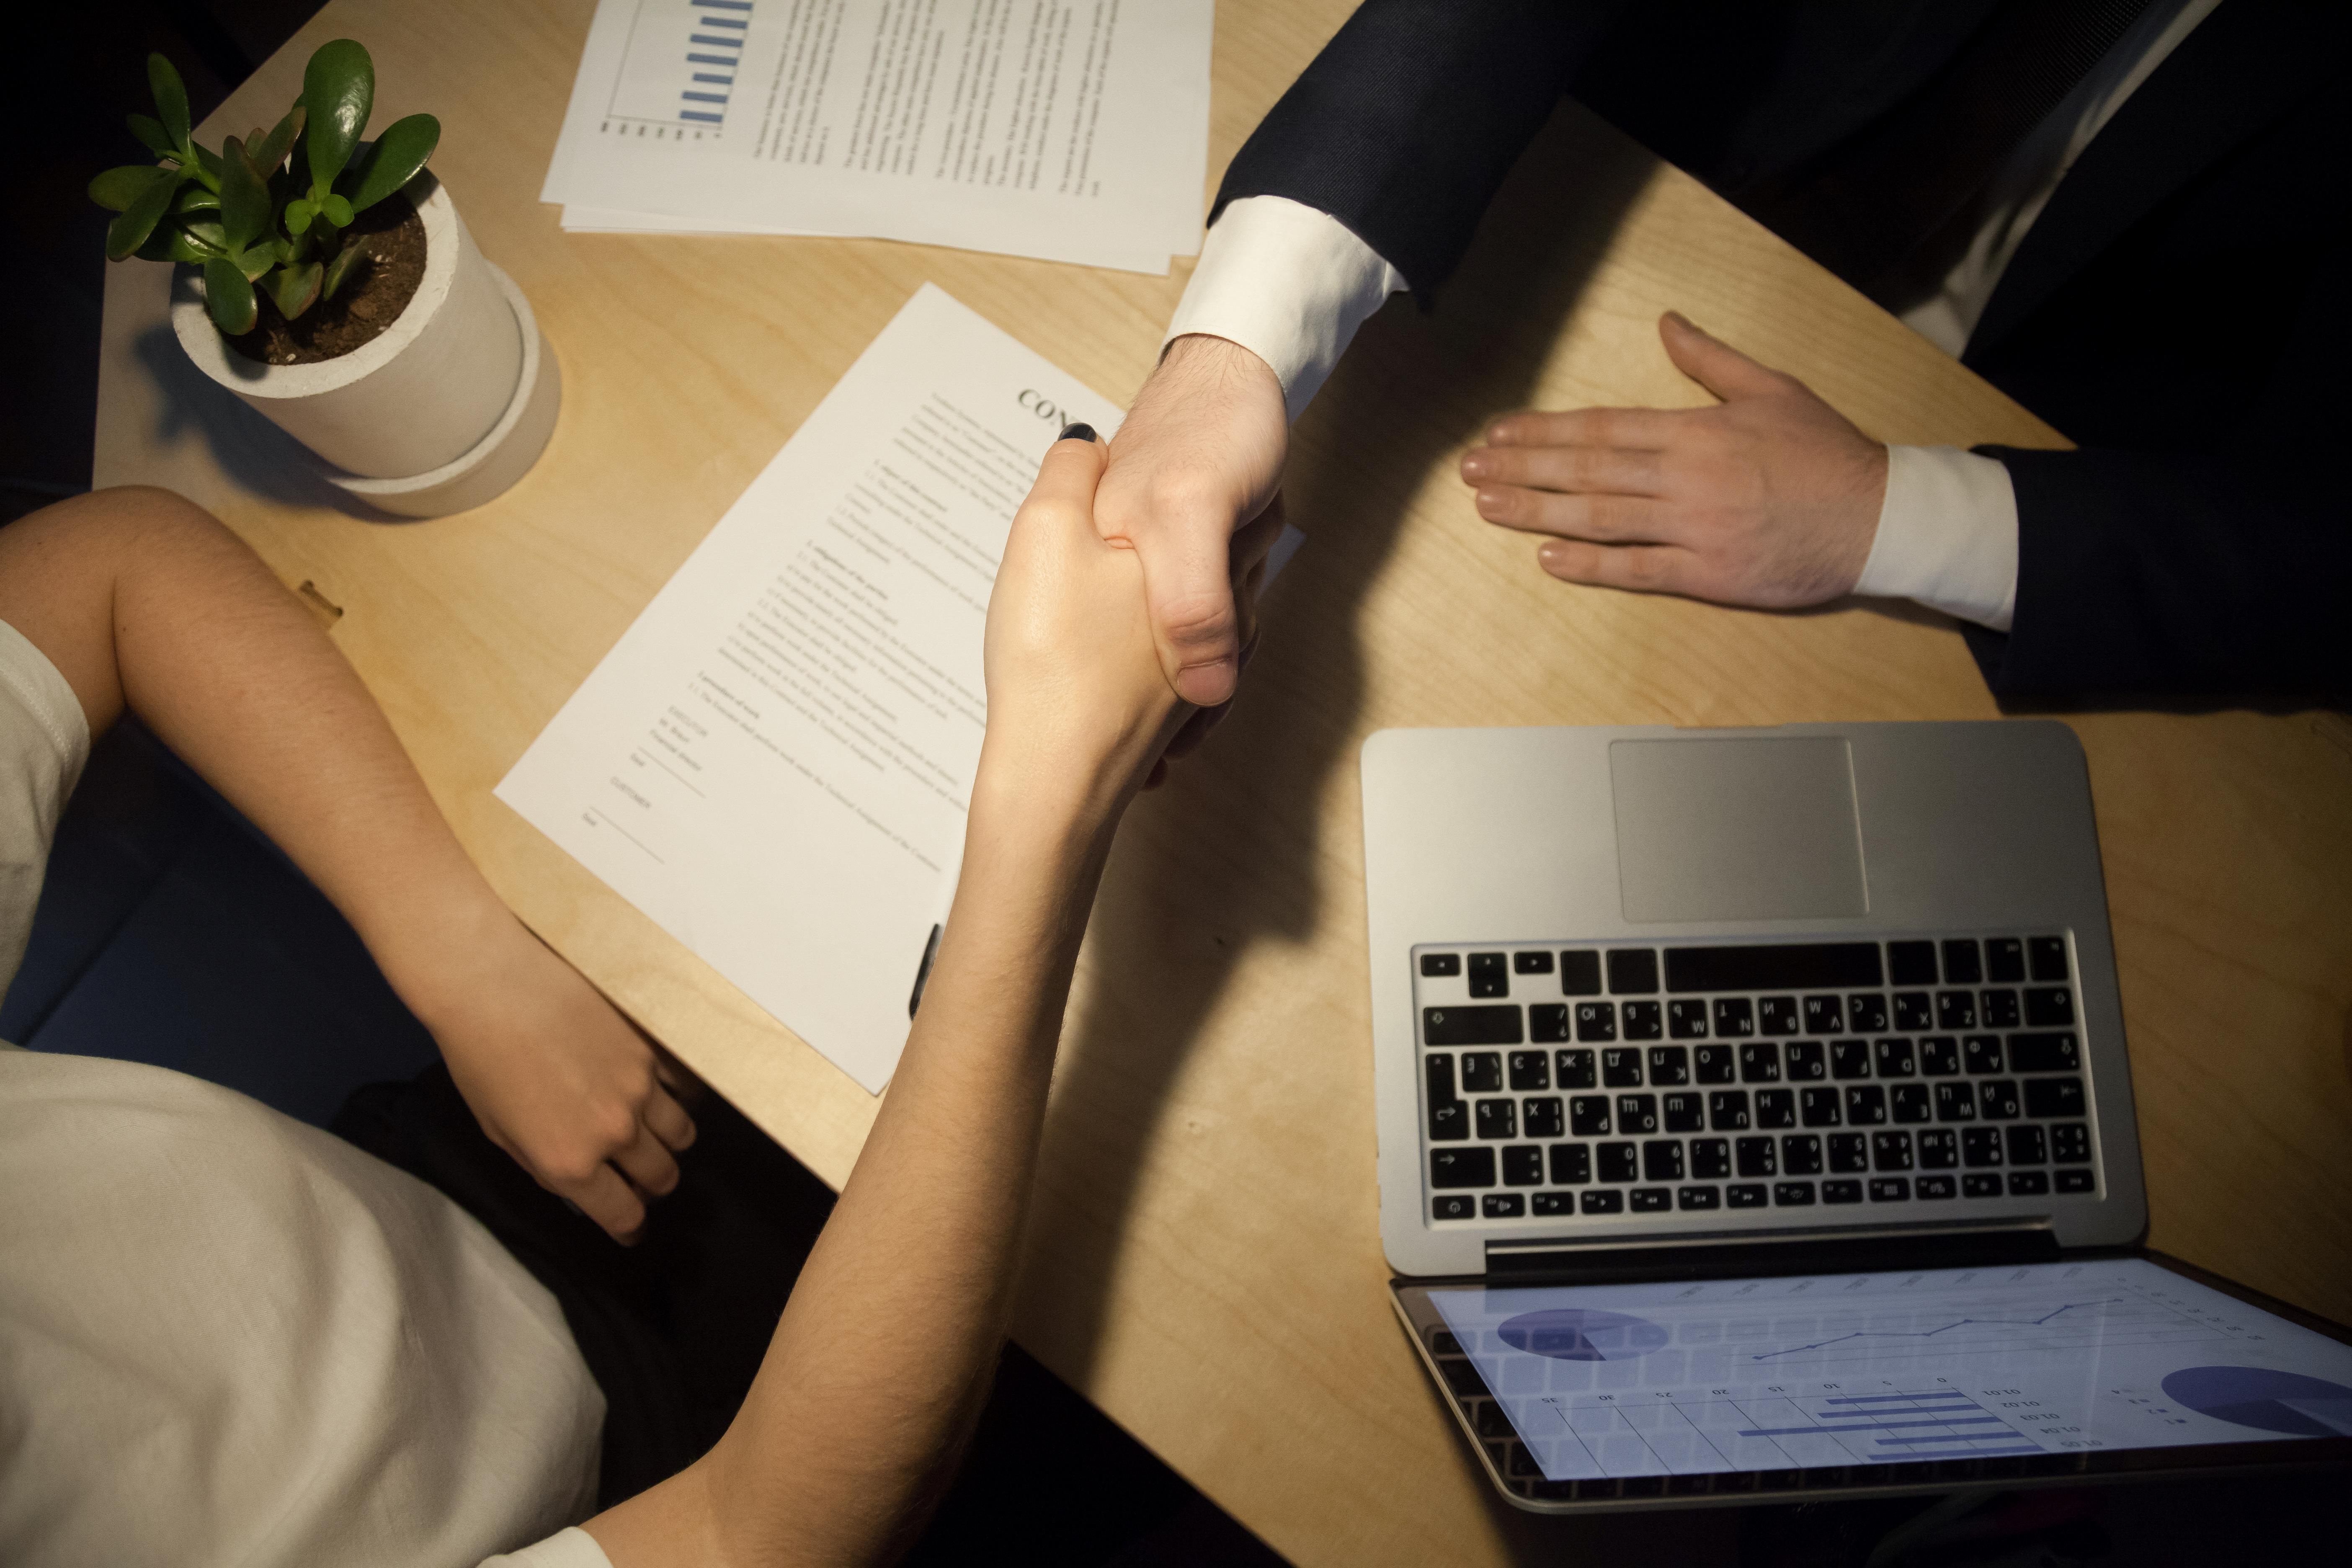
[1808, 1372]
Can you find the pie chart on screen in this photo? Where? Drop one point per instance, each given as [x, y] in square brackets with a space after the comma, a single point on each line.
[1575, 1334]
[2264, 1399]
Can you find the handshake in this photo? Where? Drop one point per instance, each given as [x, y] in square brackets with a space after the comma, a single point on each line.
[1769, 499]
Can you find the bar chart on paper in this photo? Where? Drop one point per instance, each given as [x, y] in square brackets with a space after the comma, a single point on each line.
[1072, 130]
[681, 62]
[1805, 1373]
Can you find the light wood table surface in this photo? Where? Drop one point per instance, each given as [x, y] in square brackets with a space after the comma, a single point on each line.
[1205, 1264]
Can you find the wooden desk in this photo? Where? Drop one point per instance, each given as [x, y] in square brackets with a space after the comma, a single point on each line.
[1205, 1264]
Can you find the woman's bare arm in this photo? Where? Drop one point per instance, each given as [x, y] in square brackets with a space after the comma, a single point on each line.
[881, 1361]
[145, 603]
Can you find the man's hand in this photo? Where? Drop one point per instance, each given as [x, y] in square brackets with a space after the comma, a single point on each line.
[559, 1079]
[1193, 465]
[1770, 499]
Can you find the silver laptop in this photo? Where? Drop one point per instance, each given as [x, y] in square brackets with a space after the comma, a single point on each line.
[1810, 1038]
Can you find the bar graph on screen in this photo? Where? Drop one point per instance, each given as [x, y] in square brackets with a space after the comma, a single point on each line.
[1930, 1424]
[1699, 1430]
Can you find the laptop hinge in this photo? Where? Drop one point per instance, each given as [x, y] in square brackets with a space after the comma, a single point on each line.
[1875, 1251]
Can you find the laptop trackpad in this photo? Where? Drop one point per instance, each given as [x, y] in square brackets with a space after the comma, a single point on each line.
[1728, 830]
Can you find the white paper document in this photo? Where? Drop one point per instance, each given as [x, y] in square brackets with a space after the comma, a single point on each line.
[1068, 130]
[775, 761]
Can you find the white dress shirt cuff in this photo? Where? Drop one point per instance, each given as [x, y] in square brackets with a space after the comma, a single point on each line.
[573, 1547]
[1947, 535]
[1288, 283]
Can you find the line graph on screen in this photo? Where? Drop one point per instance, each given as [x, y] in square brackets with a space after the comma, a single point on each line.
[1940, 1329]
[1880, 1333]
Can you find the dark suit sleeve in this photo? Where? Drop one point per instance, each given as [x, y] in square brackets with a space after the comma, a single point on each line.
[1407, 121]
[2182, 576]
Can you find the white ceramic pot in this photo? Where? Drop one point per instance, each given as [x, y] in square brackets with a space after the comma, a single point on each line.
[498, 459]
[427, 395]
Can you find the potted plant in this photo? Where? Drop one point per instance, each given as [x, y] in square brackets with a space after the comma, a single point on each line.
[329, 283]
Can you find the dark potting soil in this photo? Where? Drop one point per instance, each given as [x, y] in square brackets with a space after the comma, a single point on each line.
[371, 298]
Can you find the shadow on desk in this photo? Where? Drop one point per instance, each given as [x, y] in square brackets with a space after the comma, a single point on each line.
[1226, 857]
[262, 459]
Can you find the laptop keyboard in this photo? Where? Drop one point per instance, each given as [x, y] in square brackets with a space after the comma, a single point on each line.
[1593, 1082]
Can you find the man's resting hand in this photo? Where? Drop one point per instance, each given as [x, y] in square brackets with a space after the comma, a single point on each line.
[1770, 499]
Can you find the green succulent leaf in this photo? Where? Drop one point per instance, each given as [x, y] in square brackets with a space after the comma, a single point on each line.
[116, 189]
[229, 295]
[336, 210]
[296, 288]
[394, 160]
[171, 99]
[339, 92]
[137, 220]
[205, 234]
[168, 243]
[346, 262]
[245, 200]
[276, 144]
[180, 245]
[260, 259]
[298, 214]
[194, 198]
[151, 135]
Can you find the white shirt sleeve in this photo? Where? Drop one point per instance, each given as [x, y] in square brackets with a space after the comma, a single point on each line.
[44, 742]
[1947, 535]
[1288, 283]
[573, 1547]
[1292, 284]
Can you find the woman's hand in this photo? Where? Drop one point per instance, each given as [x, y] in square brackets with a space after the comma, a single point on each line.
[1078, 706]
[557, 1078]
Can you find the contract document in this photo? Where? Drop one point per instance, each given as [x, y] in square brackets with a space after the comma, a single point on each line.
[775, 761]
[1068, 130]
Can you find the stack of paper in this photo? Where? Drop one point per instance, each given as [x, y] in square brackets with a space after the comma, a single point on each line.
[1068, 130]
